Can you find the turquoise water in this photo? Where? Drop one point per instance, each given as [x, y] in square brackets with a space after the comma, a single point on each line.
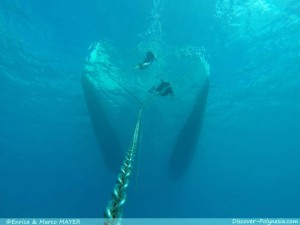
[241, 161]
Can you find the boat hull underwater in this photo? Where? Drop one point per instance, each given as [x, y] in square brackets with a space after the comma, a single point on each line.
[171, 125]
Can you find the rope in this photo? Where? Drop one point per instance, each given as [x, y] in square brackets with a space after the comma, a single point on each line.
[127, 90]
[141, 103]
[114, 209]
[138, 158]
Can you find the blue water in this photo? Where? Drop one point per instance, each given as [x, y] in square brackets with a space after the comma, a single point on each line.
[247, 159]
